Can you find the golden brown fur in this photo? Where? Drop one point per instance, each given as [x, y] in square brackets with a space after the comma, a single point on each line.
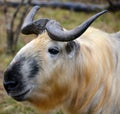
[94, 73]
[84, 84]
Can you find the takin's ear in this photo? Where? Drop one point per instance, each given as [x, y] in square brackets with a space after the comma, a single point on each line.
[72, 48]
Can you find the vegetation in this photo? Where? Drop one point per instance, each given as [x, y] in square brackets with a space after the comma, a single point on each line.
[109, 22]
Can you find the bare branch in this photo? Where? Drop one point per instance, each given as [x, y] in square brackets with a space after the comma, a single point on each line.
[15, 14]
[7, 21]
[13, 34]
[18, 29]
[112, 6]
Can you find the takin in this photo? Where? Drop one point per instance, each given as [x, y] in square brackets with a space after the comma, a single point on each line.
[75, 70]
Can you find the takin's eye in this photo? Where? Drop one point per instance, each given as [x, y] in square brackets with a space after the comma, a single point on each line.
[53, 51]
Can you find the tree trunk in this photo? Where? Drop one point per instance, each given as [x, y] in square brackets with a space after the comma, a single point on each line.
[10, 42]
[112, 6]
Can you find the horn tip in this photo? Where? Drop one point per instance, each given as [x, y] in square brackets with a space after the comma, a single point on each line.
[37, 7]
[104, 11]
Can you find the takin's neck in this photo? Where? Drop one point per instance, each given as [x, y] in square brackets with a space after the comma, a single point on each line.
[94, 85]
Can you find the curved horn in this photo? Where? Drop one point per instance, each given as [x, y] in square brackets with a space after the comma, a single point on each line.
[56, 32]
[33, 27]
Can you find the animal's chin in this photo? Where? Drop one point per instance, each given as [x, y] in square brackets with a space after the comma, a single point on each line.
[21, 96]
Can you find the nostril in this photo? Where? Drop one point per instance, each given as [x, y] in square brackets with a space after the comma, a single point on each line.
[10, 85]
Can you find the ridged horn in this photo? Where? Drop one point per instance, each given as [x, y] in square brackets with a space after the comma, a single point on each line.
[56, 32]
[33, 27]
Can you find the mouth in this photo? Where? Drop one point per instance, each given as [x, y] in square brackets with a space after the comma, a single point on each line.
[22, 96]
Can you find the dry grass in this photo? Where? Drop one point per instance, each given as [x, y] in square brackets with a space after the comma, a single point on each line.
[110, 22]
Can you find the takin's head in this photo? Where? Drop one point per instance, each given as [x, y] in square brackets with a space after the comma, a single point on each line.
[42, 71]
